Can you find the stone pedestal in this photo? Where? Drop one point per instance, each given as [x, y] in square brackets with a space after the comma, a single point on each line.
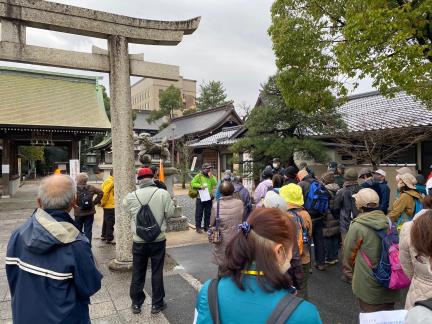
[178, 222]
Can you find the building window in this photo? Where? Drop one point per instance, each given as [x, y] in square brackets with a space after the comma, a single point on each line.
[226, 162]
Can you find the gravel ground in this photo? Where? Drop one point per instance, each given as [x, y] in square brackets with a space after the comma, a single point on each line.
[188, 207]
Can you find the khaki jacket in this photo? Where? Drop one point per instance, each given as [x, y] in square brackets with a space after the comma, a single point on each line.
[405, 203]
[362, 237]
[161, 205]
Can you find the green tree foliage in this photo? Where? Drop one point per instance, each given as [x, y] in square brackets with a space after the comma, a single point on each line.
[32, 153]
[106, 101]
[170, 100]
[185, 153]
[212, 95]
[276, 130]
[320, 44]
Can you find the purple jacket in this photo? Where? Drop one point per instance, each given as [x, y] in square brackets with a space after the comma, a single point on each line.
[261, 190]
[245, 197]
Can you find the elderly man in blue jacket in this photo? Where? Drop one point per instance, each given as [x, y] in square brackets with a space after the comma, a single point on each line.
[49, 263]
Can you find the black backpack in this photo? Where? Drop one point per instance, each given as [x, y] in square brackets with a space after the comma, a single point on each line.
[146, 226]
[85, 198]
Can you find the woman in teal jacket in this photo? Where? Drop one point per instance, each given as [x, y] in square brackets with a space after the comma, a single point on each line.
[253, 280]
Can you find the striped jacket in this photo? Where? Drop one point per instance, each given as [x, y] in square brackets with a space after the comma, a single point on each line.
[50, 270]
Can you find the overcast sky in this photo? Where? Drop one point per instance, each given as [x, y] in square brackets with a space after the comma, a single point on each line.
[231, 44]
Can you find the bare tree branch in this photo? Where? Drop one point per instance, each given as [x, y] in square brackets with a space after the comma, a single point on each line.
[378, 146]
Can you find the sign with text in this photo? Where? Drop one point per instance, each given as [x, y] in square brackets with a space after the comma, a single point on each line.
[74, 168]
[193, 163]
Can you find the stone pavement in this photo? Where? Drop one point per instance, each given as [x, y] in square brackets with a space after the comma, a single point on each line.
[112, 303]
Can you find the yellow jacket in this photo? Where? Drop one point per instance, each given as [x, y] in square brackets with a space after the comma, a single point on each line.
[108, 193]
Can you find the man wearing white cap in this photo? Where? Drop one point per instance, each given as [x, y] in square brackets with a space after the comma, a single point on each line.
[383, 189]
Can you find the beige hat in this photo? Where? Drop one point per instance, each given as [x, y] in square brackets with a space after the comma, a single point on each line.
[409, 180]
[404, 170]
[366, 198]
[381, 172]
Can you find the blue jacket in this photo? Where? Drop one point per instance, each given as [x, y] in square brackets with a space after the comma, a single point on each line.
[50, 270]
[384, 196]
[250, 306]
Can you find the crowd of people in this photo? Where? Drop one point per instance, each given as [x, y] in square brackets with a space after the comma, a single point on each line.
[345, 210]
[261, 243]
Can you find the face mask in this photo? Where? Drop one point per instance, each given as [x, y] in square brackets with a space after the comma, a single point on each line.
[205, 173]
[377, 178]
[275, 165]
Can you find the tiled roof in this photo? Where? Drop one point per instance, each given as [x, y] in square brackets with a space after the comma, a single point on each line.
[200, 122]
[106, 142]
[372, 111]
[141, 122]
[224, 137]
[46, 99]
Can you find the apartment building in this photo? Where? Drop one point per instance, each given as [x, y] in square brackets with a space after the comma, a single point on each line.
[145, 93]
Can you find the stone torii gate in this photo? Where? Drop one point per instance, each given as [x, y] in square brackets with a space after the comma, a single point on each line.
[119, 30]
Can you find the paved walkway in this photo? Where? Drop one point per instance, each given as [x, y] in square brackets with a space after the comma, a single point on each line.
[112, 303]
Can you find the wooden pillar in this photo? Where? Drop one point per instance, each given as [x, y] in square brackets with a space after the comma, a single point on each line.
[74, 152]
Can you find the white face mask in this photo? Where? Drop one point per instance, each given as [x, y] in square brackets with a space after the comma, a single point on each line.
[275, 165]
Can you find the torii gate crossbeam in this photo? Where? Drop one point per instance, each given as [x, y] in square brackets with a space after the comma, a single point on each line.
[119, 30]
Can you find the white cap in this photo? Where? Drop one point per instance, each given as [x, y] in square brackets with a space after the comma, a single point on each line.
[381, 172]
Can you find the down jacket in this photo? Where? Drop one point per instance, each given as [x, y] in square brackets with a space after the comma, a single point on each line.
[421, 284]
[231, 215]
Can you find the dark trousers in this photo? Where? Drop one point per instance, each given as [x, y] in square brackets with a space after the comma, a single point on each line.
[202, 207]
[331, 247]
[85, 225]
[108, 223]
[369, 308]
[141, 253]
[318, 239]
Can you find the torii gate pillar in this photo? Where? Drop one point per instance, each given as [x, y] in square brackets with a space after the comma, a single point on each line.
[122, 144]
[119, 30]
